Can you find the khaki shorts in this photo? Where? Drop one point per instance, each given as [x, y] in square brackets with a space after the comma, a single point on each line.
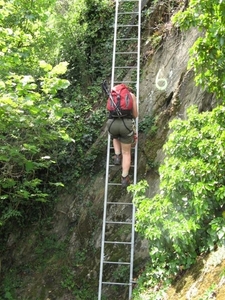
[121, 129]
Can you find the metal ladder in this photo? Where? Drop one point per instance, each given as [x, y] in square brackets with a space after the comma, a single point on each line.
[118, 233]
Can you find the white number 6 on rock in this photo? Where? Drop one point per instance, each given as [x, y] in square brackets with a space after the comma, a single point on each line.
[161, 83]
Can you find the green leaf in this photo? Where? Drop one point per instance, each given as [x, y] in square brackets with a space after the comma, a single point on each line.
[45, 66]
[56, 184]
[29, 166]
[59, 69]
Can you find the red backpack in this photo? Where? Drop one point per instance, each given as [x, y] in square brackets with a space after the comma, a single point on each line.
[120, 101]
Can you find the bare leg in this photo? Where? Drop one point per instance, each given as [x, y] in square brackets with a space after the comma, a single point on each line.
[126, 153]
[117, 146]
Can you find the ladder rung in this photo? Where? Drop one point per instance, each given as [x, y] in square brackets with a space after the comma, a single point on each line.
[127, 39]
[126, 67]
[119, 166]
[119, 243]
[120, 203]
[125, 81]
[112, 148]
[126, 25]
[116, 262]
[117, 222]
[128, 13]
[112, 183]
[126, 52]
[128, 0]
[116, 183]
[116, 283]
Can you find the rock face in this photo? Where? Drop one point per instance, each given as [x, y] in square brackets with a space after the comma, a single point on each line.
[167, 89]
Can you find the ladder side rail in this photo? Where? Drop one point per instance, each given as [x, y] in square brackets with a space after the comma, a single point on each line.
[107, 165]
[114, 43]
[136, 147]
[104, 220]
[137, 88]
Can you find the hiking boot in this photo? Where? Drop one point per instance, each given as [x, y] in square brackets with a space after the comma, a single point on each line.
[125, 181]
[117, 159]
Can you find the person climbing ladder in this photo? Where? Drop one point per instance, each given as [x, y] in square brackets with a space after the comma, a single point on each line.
[122, 109]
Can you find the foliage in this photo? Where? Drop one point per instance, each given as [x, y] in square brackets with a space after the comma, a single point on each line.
[26, 35]
[185, 218]
[86, 42]
[9, 284]
[51, 114]
[147, 125]
[30, 125]
[207, 55]
[88, 51]
[210, 293]
[79, 287]
[44, 255]
[31, 111]
[37, 116]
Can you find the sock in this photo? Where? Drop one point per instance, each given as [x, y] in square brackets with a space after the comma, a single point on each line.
[116, 153]
[124, 174]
